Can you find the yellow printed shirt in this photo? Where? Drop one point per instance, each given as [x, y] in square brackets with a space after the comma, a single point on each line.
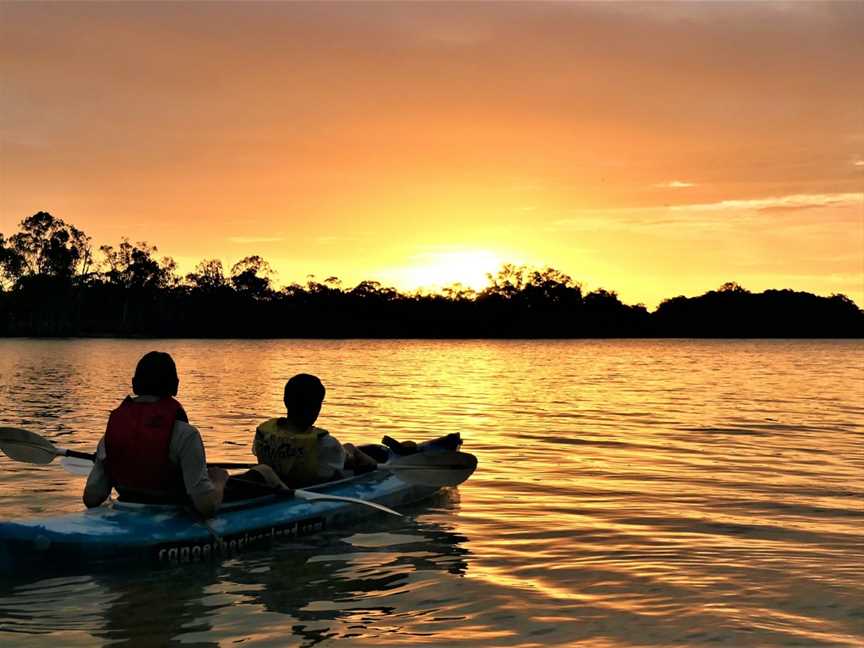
[299, 457]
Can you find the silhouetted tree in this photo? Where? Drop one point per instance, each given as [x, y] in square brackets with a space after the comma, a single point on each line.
[44, 263]
[209, 276]
[46, 246]
[373, 291]
[11, 262]
[733, 311]
[549, 289]
[251, 276]
[317, 288]
[606, 315]
[531, 303]
[507, 283]
[134, 267]
[458, 292]
[137, 282]
[732, 287]
[601, 300]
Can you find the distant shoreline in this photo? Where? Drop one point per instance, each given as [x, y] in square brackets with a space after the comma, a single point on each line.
[48, 308]
[57, 289]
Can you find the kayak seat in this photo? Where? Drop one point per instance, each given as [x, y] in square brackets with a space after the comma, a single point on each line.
[249, 485]
[377, 451]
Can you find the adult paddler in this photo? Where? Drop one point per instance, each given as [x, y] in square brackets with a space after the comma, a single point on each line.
[149, 452]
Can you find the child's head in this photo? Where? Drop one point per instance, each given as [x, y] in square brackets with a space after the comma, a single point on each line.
[304, 394]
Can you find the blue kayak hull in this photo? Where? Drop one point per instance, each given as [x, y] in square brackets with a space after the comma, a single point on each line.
[146, 534]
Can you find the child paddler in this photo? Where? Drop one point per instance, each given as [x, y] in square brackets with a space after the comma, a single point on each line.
[149, 452]
[299, 452]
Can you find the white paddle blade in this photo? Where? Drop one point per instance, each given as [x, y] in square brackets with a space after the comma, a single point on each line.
[21, 445]
[434, 477]
[321, 497]
[433, 468]
[76, 466]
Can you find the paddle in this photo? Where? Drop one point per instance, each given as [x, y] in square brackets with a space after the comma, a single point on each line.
[434, 468]
[78, 466]
[29, 447]
[427, 469]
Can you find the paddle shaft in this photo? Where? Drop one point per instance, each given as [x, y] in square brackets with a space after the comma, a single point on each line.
[448, 468]
[89, 456]
[65, 452]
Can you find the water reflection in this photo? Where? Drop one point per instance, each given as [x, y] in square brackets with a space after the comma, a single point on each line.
[630, 492]
[369, 581]
[155, 608]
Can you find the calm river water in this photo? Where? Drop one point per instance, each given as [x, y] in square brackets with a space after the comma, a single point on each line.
[629, 493]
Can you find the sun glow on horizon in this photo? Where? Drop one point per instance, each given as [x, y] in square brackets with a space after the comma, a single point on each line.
[436, 270]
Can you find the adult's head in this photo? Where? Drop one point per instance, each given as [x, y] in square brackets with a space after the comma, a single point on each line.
[304, 394]
[155, 375]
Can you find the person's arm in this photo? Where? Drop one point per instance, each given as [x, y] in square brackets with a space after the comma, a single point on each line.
[208, 503]
[331, 457]
[256, 448]
[204, 486]
[357, 460]
[98, 486]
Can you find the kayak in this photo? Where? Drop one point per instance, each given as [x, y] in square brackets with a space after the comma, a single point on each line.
[125, 532]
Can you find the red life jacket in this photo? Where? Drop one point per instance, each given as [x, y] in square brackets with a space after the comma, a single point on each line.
[136, 447]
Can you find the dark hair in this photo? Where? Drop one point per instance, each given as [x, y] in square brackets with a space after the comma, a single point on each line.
[304, 394]
[303, 389]
[155, 375]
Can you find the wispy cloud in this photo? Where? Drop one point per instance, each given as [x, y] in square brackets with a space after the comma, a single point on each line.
[794, 202]
[243, 240]
[858, 164]
[675, 184]
[754, 211]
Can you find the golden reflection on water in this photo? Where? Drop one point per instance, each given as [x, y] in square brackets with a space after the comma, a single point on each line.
[628, 492]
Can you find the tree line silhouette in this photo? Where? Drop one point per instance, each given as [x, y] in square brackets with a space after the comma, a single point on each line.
[52, 283]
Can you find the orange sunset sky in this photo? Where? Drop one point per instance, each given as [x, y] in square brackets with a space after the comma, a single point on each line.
[655, 149]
